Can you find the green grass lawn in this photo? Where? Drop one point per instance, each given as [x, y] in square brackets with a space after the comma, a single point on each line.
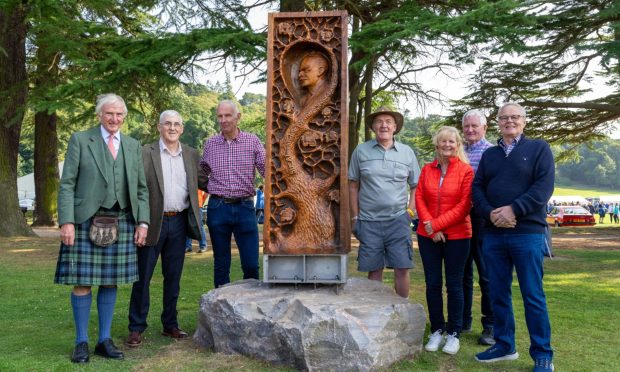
[582, 285]
[584, 191]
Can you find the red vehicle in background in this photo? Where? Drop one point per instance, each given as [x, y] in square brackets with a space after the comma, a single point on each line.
[570, 215]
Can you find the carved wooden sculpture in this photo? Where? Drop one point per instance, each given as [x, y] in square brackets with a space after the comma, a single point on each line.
[306, 196]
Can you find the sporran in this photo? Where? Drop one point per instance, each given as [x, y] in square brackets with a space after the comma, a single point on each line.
[103, 230]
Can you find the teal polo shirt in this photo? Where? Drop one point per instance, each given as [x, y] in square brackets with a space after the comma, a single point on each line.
[385, 178]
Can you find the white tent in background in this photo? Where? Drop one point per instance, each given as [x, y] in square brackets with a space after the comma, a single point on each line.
[25, 184]
[576, 199]
[610, 198]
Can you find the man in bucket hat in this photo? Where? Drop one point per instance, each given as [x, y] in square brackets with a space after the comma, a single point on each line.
[383, 175]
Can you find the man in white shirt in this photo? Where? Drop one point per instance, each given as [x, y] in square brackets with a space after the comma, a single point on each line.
[172, 176]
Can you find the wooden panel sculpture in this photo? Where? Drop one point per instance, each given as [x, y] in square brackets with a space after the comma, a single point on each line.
[306, 196]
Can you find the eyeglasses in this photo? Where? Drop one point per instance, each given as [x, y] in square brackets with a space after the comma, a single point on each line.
[511, 117]
[169, 124]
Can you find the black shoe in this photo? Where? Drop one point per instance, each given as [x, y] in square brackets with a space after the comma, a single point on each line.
[486, 338]
[107, 349]
[80, 353]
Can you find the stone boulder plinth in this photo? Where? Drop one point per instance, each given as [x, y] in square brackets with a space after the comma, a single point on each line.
[359, 326]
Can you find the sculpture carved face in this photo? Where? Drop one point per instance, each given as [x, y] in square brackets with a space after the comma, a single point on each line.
[312, 70]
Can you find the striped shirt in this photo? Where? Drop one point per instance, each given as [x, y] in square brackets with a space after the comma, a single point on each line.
[474, 152]
[231, 165]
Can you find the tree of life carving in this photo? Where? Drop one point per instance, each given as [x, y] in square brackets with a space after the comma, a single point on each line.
[305, 137]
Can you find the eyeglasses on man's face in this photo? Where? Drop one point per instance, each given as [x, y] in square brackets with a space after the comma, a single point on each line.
[509, 117]
[168, 124]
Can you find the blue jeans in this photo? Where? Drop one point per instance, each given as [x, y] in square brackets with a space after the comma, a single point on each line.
[454, 253]
[524, 253]
[225, 220]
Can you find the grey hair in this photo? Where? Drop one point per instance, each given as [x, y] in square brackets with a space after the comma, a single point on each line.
[169, 113]
[230, 103]
[108, 98]
[475, 113]
[514, 104]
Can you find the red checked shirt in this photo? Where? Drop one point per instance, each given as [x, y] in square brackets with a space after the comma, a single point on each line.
[231, 165]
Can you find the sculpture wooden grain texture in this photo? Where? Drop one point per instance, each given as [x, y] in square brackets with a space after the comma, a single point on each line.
[306, 195]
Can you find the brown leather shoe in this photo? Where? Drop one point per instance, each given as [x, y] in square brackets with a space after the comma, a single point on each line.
[174, 333]
[133, 340]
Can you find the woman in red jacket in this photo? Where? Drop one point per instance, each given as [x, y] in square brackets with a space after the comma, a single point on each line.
[443, 202]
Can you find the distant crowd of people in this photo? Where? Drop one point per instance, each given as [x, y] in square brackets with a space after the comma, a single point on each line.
[610, 209]
[595, 207]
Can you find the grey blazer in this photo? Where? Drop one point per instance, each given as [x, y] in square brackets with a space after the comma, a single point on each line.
[196, 178]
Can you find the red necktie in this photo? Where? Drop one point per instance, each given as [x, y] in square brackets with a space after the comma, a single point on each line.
[111, 146]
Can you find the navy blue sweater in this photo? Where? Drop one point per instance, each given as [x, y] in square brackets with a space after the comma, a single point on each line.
[523, 179]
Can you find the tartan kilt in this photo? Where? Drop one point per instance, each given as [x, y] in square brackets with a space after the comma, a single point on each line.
[87, 264]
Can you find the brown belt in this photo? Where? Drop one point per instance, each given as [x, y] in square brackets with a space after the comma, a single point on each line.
[170, 214]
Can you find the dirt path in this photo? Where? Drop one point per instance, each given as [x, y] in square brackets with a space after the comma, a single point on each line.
[591, 238]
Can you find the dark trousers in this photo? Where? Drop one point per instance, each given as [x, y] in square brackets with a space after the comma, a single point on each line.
[475, 255]
[171, 246]
[454, 253]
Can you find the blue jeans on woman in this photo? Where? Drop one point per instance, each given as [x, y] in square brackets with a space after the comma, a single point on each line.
[523, 252]
[225, 220]
[454, 253]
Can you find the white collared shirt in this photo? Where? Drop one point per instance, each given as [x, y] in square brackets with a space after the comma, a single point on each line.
[176, 195]
[106, 137]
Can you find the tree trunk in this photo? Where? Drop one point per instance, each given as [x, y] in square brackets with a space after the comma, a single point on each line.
[368, 99]
[292, 5]
[46, 182]
[13, 90]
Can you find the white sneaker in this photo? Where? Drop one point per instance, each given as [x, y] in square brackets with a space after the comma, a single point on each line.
[452, 345]
[434, 341]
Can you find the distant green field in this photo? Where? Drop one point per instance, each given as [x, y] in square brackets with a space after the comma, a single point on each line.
[585, 191]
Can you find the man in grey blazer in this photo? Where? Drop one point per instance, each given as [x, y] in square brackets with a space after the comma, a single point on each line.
[171, 170]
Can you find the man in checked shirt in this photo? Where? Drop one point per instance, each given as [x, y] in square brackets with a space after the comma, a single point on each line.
[474, 131]
[231, 159]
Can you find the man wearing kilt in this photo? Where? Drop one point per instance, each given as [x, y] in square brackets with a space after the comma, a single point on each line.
[103, 175]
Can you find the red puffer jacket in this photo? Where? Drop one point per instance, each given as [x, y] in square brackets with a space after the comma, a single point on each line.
[448, 206]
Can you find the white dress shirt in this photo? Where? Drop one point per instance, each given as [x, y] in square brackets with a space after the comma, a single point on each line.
[176, 195]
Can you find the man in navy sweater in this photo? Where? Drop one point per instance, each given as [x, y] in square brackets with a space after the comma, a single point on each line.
[513, 183]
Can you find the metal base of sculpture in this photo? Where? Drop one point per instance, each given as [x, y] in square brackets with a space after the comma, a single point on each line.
[301, 268]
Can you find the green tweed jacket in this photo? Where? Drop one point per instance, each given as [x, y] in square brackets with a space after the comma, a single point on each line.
[83, 183]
